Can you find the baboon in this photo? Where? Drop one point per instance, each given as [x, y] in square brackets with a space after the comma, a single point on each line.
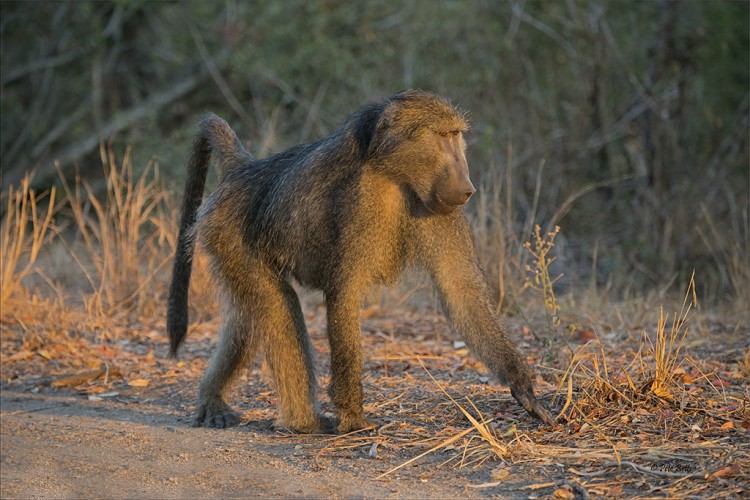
[383, 192]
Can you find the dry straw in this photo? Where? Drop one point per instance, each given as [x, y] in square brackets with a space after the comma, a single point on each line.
[26, 227]
[123, 234]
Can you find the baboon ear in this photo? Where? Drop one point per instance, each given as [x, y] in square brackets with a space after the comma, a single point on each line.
[366, 128]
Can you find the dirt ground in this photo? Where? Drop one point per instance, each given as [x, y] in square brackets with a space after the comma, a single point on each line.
[109, 417]
[135, 441]
[62, 446]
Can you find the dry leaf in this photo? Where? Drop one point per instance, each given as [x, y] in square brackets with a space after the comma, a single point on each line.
[662, 392]
[43, 353]
[500, 474]
[149, 358]
[94, 389]
[586, 335]
[139, 382]
[721, 383]
[539, 486]
[729, 470]
[107, 351]
[19, 356]
[564, 492]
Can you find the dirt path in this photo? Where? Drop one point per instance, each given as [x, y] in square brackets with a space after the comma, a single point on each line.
[125, 433]
[111, 437]
[62, 446]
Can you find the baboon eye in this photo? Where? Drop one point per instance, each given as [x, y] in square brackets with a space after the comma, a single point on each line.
[446, 133]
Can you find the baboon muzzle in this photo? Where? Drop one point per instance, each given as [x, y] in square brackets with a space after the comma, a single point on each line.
[460, 193]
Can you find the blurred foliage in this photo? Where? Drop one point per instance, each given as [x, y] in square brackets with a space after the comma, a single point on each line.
[636, 111]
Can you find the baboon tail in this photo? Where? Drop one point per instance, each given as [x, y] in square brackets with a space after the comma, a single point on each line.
[224, 142]
[214, 135]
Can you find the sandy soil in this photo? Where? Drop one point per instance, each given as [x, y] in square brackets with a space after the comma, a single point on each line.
[62, 446]
[106, 438]
[126, 434]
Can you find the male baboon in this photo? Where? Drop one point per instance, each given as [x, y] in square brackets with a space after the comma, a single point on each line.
[340, 214]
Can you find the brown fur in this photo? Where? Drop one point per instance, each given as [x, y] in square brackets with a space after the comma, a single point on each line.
[341, 214]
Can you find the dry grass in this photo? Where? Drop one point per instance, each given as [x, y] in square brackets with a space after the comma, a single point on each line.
[488, 442]
[642, 417]
[125, 241]
[125, 235]
[495, 241]
[666, 348]
[540, 248]
[117, 247]
[24, 233]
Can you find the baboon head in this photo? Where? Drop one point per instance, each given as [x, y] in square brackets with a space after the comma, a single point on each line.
[452, 187]
[418, 141]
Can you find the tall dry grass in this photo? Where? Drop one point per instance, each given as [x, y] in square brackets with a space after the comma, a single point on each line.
[651, 371]
[26, 229]
[104, 266]
[667, 344]
[124, 240]
[123, 235]
[495, 239]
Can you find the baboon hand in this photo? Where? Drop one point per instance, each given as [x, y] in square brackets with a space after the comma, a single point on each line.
[525, 397]
[215, 414]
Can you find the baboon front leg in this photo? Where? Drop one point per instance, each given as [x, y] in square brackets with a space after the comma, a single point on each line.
[344, 337]
[465, 298]
[467, 305]
[235, 346]
[290, 356]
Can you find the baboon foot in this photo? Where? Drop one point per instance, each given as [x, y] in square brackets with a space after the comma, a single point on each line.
[525, 397]
[215, 414]
[320, 425]
[349, 422]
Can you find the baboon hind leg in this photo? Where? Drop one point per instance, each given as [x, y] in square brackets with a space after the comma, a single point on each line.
[266, 312]
[236, 346]
[344, 338]
[290, 357]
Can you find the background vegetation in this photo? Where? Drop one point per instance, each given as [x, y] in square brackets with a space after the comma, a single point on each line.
[624, 123]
